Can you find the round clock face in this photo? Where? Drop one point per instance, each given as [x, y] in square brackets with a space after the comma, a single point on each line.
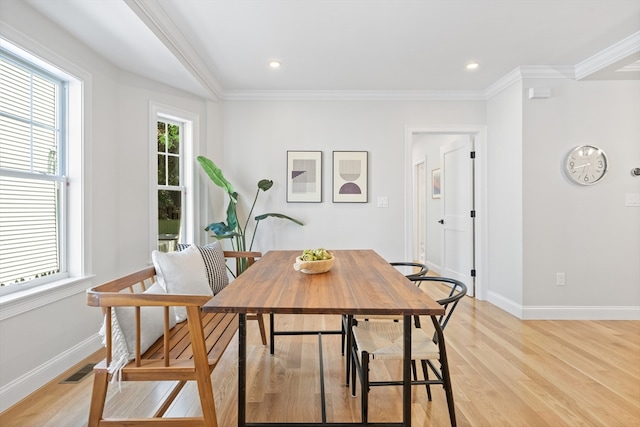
[586, 165]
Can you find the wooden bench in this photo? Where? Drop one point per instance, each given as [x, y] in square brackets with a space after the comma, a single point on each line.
[187, 352]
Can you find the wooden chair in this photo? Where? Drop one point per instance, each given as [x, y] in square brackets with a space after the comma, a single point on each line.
[383, 340]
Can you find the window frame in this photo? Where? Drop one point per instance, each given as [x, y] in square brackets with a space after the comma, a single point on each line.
[75, 253]
[189, 135]
[59, 177]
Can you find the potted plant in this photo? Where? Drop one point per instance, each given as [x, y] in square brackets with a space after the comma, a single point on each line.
[232, 228]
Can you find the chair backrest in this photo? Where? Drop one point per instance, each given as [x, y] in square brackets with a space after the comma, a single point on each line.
[243, 260]
[458, 290]
[419, 270]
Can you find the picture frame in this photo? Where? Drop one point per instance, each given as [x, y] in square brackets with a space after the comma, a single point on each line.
[350, 176]
[304, 176]
[435, 184]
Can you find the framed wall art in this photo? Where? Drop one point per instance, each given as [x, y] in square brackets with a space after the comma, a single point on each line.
[304, 176]
[435, 184]
[350, 176]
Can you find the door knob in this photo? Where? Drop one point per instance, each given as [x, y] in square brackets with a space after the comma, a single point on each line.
[441, 221]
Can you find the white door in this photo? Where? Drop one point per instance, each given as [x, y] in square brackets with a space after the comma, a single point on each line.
[457, 220]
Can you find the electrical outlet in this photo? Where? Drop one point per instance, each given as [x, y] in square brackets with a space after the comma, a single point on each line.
[560, 279]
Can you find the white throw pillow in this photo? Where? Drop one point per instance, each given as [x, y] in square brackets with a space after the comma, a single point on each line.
[182, 273]
[215, 264]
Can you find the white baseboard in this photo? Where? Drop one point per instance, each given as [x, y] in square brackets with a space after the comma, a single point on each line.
[505, 304]
[21, 387]
[581, 313]
[433, 267]
[564, 312]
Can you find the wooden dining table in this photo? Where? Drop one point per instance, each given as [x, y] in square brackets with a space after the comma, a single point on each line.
[360, 283]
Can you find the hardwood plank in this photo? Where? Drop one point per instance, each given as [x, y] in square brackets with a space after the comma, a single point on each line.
[505, 371]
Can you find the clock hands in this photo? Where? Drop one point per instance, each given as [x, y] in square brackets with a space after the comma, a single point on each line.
[582, 166]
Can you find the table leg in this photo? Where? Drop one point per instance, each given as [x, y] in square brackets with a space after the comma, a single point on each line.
[242, 369]
[406, 373]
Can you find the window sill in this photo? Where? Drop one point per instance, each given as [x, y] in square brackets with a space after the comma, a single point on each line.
[23, 301]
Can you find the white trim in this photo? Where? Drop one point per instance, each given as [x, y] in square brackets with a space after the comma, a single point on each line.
[581, 313]
[354, 95]
[505, 304]
[16, 390]
[160, 23]
[617, 52]
[480, 148]
[563, 312]
[24, 301]
[191, 138]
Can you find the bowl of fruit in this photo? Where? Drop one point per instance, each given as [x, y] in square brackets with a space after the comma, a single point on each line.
[314, 261]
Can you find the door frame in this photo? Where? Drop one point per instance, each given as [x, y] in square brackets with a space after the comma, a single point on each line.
[480, 179]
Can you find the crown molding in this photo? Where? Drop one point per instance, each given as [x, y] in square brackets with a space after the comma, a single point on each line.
[529, 72]
[617, 52]
[353, 95]
[161, 24]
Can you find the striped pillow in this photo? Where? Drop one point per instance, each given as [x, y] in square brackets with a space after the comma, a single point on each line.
[215, 264]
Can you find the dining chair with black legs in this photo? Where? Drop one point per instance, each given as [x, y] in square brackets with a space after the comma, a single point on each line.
[383, 340]
[415, 270]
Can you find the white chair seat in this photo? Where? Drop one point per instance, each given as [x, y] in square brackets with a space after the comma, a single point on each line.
[384, 340]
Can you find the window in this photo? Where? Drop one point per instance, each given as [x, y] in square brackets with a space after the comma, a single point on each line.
[170, 184]
[173, 212]
[33, 171]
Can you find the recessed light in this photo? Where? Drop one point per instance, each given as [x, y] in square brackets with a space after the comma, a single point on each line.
[472, 65]
[274, 64]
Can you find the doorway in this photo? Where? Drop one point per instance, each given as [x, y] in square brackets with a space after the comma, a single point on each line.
[425, 236]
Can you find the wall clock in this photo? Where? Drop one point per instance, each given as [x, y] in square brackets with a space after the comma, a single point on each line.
[586, 165]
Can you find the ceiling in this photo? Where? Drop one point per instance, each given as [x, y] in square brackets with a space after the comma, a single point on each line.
[221, 49]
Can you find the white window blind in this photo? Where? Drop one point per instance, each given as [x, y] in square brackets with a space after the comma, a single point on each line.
[32, 173]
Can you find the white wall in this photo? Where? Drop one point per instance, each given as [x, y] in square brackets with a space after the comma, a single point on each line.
[57, 330]
[504, 204]
[259, 133]
[583, 231]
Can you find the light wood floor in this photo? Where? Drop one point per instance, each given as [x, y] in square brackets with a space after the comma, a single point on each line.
[506, 372]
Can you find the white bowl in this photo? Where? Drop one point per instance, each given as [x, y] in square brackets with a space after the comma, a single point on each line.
[314, 267]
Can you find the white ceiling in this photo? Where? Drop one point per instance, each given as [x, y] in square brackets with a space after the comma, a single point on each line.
[222, 48]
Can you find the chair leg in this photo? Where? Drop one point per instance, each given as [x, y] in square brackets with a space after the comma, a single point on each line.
[263, 333]
[425, 371]
[347, 322]
[98, 397]
[354, 361]
[364, 387]
[448, 389]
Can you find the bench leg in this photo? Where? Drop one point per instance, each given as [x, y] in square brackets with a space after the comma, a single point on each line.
[201, 364]
[98, 397]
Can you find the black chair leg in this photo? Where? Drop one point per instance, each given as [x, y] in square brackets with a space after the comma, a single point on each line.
[364, 391]
[425, 372]
[347, 341]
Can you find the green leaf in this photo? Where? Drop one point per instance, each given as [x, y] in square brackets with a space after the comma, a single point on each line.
[216, 175]
[232, 216]
[277, 215]
[221, 230]
[265, 184]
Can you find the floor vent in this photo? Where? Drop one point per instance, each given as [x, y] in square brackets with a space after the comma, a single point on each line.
[79, 375]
